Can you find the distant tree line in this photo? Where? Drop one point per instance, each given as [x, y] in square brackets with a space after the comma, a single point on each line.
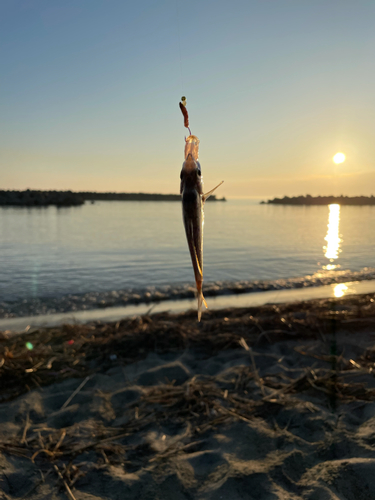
[322, 200]
[69, 198]
[30, 198]
[129, 196]
[136, 196]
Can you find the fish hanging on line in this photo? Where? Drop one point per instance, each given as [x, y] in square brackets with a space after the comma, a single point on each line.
[191, 190]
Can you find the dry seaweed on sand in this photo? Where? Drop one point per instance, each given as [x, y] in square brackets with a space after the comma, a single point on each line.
[200, 403]
[78, 350]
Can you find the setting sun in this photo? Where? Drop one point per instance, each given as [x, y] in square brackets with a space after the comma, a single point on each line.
[339, 158]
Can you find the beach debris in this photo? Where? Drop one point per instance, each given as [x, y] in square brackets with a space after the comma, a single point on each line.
[244, 344]
[68, 490]
[202, 402]
[53, 360]
[193, 199]
[27, 425]
[81, 386]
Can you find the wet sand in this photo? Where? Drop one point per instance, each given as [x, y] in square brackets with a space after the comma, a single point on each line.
[264, 403]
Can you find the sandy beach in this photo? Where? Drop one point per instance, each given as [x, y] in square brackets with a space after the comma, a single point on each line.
[263, 403]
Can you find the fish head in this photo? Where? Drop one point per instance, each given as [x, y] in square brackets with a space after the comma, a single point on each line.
[192, 146]
[191, 174]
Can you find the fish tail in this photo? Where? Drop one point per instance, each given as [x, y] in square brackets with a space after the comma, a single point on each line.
[201, 300]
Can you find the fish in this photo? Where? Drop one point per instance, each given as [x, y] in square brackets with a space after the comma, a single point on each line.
[193, 199]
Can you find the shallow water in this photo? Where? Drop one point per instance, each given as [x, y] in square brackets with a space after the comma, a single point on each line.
[27, 323]
[51, 252]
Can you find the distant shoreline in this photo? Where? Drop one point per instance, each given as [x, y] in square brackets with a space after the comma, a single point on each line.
[86, 195]
[33, 198]
[321, 200]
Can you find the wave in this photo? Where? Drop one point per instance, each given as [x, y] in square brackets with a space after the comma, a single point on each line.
[115, 298]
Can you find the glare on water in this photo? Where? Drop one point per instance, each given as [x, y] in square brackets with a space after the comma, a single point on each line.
[332, 238]
[332, 249]
[340, 290]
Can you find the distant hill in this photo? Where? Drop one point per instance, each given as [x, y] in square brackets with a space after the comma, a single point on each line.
[322, 200]
[31, 198]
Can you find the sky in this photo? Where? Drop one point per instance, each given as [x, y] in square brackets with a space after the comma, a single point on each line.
[90, 91]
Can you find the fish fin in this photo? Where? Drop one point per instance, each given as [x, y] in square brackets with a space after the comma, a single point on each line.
[198, 266]
[204, 302]
[201, 300]
[207, 195]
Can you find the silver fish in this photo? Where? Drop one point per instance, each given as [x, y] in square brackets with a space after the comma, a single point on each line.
[191, 190]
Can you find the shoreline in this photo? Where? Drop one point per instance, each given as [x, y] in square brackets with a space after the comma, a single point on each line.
[74, 303]
[39, 198]
[322, 200]
[254, 299]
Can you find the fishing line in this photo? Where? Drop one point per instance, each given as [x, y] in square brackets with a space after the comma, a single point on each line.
[179, 40]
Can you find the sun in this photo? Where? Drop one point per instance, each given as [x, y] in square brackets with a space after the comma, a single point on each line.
[339, 158]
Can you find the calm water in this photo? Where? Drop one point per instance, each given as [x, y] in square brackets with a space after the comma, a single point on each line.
[119, 245]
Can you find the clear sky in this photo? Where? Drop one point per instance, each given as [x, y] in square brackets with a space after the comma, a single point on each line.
[90, 91]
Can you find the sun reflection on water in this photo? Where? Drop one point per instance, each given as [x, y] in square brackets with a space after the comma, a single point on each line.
[332, 249]
[340, 290]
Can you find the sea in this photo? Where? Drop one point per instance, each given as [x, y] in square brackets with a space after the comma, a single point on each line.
[111, 253]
